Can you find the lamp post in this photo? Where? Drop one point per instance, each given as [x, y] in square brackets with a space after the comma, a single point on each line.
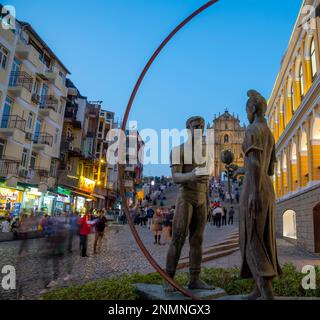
[227, 157]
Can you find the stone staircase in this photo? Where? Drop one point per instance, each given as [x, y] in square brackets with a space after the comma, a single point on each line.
[218, 250]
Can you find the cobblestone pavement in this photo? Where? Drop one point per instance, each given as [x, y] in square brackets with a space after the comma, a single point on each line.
[119, 255]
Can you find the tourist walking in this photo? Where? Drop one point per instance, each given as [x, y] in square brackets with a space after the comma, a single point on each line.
[85, 230]
[100, 226]
[218, 215]
[231, 215]
[73, 226]
[224, 216]
[157, 225]
[150, 213]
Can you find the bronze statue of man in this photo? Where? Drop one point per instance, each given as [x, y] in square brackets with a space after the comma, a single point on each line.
[191, 205]
[257, 204]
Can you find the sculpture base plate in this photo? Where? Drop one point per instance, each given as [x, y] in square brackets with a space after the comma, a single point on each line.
[156, 292]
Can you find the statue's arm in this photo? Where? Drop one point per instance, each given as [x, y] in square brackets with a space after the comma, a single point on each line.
[254, 168]
[255, 175]
[179, 177]
[272, 162]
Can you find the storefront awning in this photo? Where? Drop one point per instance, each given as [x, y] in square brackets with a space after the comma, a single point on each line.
[84, 195]
[98, 196]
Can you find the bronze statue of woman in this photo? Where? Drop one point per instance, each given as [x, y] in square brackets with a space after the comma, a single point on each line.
[257, 205]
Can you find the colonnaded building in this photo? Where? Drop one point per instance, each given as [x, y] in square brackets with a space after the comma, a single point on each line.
[229, 135]
[294, 117]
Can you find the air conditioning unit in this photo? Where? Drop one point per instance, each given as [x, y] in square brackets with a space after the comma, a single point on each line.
[29, 136]
[24, 173]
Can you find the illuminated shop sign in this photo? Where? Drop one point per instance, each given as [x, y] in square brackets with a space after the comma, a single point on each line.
[87, 185]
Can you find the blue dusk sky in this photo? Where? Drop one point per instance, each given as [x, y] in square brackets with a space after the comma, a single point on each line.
[230, 48]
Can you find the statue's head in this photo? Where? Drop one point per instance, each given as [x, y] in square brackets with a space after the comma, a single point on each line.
[256, 105]
[195, 123]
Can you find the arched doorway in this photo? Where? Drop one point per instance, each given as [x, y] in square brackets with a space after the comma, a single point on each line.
[316, 224]
[289, 224]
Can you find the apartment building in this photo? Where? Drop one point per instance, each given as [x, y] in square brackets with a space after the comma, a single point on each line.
[85, 177]
[33, 97]
[133, 169]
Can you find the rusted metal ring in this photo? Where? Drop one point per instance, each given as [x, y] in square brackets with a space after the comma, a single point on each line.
[142, 247]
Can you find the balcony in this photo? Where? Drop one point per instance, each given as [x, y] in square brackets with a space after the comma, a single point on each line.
[20, 85]
[37, 175]
[23, 50]
[9, 168]
[13, 126]
[42, 141]
[53, 74]
[49, 102]
[48, 107]
[68, 180]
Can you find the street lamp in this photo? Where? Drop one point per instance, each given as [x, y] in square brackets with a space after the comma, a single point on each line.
[227, 157]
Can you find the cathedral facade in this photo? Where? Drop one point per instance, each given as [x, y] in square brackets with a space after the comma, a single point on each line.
[229, 135]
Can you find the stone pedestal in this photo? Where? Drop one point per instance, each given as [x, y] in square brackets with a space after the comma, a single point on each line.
[156, 292]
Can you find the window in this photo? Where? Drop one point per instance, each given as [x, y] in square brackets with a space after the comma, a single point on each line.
[301, 80]
[2, 146]
[33, 160]
[53, 168]
[30, 120]
[313, 59]
[226, 126]
[226, 139]
[292, 98]
[4, 54]
[289, 224]
[24, 158]
[56, 136]
[36, 87]
[62, 77]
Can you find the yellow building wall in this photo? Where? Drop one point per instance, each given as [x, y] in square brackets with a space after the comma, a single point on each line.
[294, 176]
[304, 170]
[316, 162]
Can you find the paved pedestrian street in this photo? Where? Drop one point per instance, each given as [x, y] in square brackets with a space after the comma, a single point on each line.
[119, 255]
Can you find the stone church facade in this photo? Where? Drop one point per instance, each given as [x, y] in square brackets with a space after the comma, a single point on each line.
[229, 135]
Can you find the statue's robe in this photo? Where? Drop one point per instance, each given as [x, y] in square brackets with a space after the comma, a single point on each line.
[257, 236]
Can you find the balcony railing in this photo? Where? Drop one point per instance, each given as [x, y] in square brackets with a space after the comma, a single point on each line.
[43, 138]
[49, 102]
[21, 79]
[9, 167]
[13, 122]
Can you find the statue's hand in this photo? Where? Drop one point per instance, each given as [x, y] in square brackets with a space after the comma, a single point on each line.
[255, 204]
[196, 176]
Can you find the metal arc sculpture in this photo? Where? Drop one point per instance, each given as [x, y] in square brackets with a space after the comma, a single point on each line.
[136, 236]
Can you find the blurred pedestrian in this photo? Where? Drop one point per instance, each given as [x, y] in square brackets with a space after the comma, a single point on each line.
[100, 226]
[231, 215]
[224, 216]
[157, 225]
[73, 229]
[85, 230]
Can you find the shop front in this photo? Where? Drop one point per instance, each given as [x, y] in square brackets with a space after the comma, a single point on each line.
[82, 203]
[10, 200]
[63, 200]
[32, 200]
